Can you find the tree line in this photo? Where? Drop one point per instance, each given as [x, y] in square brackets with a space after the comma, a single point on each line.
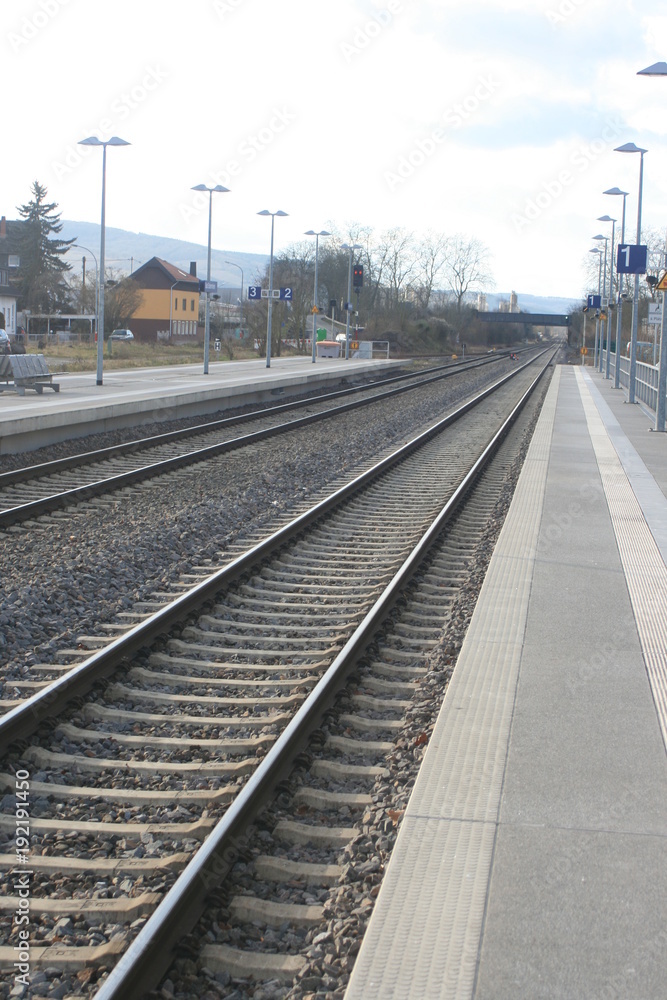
[407, 278]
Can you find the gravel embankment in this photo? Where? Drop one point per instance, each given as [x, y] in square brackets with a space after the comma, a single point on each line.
[70, 572]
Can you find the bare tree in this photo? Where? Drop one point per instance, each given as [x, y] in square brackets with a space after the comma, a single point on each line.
[122, 298]
[431, 256]
[396, 247]
[467, 266]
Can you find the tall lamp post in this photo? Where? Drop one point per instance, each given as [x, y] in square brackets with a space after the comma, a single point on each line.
[311, 232]
[597, 316]
[207, 321]
[241, 299]
[600, 237]
[657, 69]
[351, 247]
[660, 69]
[630, 147]
[265, 211]
[619, 304]
[94, 141]
[171, 310]
[608, 218]
[88, 250]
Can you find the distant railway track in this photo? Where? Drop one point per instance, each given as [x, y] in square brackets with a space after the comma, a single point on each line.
[39, 489]
[191, 710]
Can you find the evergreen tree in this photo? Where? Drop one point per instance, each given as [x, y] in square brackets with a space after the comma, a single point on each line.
[41, 273]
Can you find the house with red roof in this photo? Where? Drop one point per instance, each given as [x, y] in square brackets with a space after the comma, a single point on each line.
[169, 309]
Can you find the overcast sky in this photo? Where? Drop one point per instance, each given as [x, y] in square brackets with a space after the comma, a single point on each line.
[494, 118]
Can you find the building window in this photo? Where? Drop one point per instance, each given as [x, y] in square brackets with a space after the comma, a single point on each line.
[184, 305]
[175, 304]
[192, 305]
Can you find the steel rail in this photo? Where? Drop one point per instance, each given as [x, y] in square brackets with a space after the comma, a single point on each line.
[155, 440]
[150, 954]
[35, 508]
[21, 721]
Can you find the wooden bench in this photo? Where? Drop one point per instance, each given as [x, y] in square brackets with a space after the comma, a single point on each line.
[26, 371]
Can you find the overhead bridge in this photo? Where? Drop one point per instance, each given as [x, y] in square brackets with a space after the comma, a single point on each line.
[529, 319]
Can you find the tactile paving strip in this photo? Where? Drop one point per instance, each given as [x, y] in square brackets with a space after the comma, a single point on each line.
[644, 568]
[423, 938]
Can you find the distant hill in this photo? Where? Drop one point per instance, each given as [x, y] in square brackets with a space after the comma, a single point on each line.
[126, 251]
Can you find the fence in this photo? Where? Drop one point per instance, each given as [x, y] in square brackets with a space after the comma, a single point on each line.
[646, 378]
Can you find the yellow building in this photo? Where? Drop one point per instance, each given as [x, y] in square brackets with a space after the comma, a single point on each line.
[169, 308]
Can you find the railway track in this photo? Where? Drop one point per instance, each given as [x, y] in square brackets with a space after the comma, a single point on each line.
[138, 772]
[38, 489]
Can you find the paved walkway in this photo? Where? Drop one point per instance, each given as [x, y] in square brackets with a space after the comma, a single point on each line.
[531, 863]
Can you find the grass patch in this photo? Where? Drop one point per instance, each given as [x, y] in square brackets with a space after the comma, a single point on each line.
[83, 357]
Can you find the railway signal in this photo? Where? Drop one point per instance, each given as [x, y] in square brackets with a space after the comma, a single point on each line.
[358, 276]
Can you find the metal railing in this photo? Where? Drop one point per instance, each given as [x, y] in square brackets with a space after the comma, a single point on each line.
[646, 379]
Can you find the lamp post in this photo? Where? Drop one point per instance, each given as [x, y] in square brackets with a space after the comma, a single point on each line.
[608, 218]
[94, 141]
[583, 342]
[351, 247]
[88, 250]
[660, 69]
[171, 309]
[597, 316]
[207, 320]
[241, 299]
[311, 232]
[265, 211]
[600, 237]
[630, 147]
[657, 69]
[604, 296]
[619, 314]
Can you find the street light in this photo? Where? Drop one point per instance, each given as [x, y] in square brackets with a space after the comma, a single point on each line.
[657, 69]
[265, 211]
[608, 218]
[630, 147]
[311, 232]
[88, 250]
[207, 321]
[171, 309]
[597, 315]
[94, 141]
[241, 299]
[348, 305]
[600, 237]
[619, 314]
[660, 69]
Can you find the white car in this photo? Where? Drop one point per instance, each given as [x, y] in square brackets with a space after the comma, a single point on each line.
[122, 335]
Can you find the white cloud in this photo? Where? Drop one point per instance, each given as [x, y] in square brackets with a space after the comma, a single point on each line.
[307, 107]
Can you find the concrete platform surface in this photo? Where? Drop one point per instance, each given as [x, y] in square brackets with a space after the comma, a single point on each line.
[143, 395]
[531, 863]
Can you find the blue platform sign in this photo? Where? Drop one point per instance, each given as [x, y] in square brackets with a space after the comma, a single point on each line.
[209, 287]
[631, 258]
[255, 292]
[594, 301]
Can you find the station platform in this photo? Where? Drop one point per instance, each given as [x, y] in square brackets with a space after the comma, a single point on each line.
[130, 397]
[531, 862]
